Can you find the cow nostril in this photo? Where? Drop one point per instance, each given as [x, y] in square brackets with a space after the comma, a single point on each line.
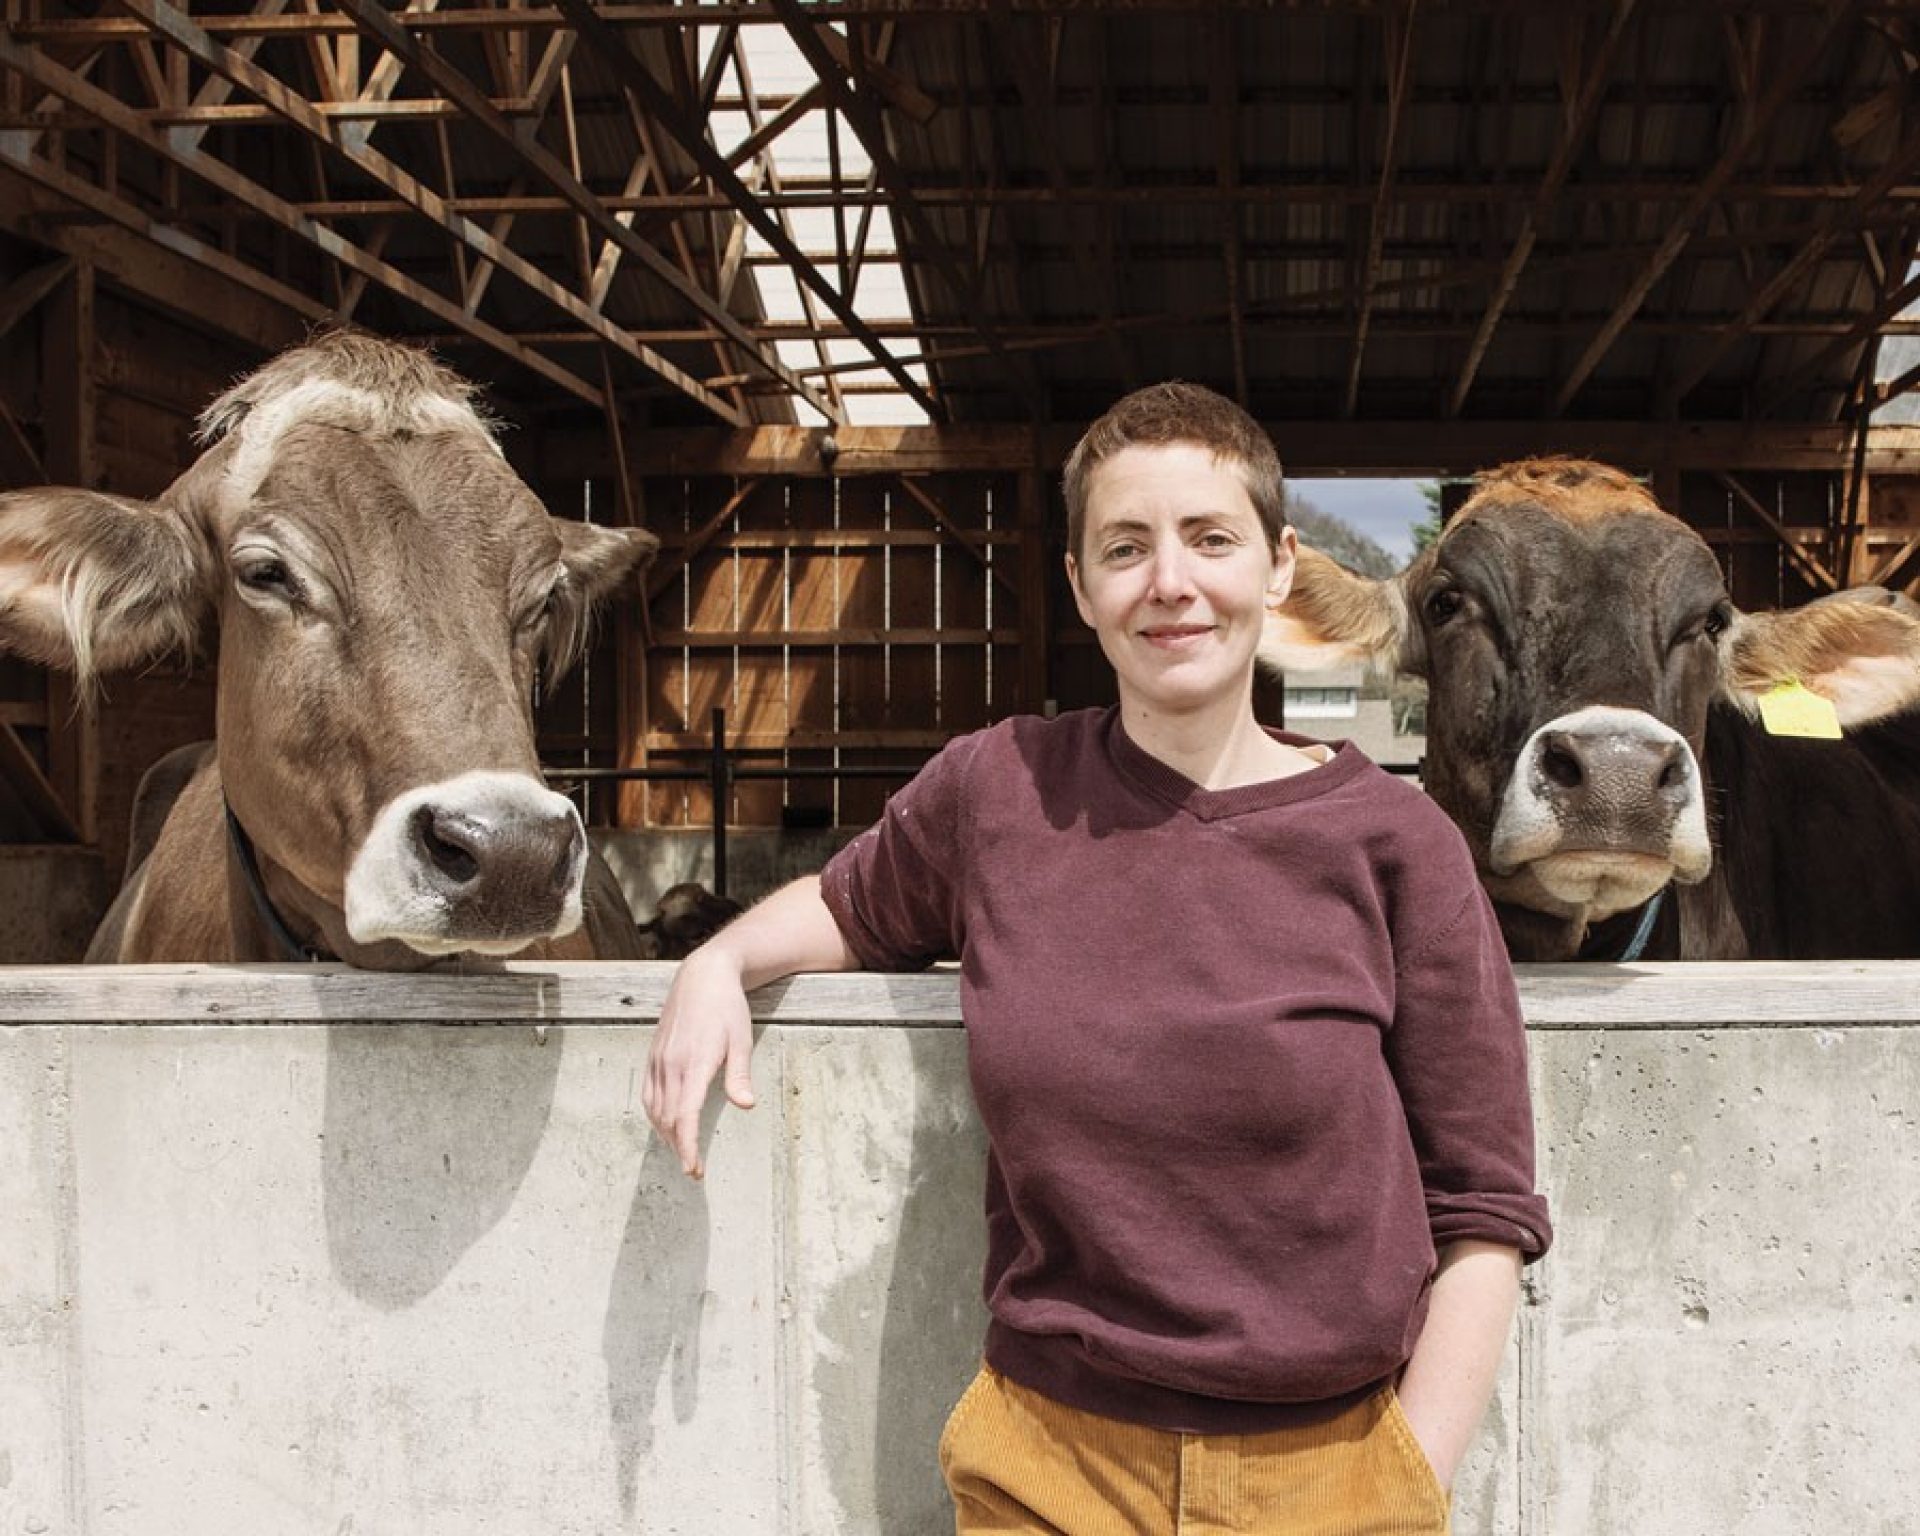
[1561, 767]
[444, 845]
[1674, 775]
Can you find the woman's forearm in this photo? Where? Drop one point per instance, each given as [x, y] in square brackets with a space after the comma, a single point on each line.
[1449, 1379]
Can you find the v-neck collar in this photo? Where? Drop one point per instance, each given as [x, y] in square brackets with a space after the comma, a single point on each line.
[1176, 789]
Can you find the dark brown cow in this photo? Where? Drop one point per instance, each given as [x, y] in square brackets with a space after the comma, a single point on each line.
[386, 590]
[1596, 731]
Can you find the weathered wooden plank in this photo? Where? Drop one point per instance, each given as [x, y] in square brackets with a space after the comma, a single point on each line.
[1667, 996]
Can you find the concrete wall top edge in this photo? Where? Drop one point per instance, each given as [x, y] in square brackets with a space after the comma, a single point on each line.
[1647, 996]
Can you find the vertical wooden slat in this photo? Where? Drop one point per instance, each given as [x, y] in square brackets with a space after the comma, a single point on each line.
[814, 605]
[865, 704]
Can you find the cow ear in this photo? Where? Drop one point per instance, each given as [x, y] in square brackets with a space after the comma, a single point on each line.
[90, 583]
[599, 559]
[1862, 655]
[1333, 617]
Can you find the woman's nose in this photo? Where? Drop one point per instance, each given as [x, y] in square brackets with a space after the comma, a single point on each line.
[1172, 574]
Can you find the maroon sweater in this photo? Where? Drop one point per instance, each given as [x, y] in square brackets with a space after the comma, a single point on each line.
[1244, 1058]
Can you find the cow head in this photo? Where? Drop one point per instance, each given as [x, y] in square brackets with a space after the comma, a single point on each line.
[1573, 637]
[387, 591]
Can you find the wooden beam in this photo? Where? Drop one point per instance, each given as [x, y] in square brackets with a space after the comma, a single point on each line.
[1419, 447]
[381, 26]
[1831, 222]
[931, 506]
[18, 768]
[653, 99]
[1809, 564]
[1399, 50]
[1785, 386]
[827, 639]
[50, 76]
[805, 30]
[1584, 113]
[188, 37]
[28, 289]
[1788, 75]
[172, 271]
[1034, 86]
[662, 573]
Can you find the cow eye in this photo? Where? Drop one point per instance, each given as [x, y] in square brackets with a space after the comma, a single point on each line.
[1443, 604]
[266, 573]
[1716, 623]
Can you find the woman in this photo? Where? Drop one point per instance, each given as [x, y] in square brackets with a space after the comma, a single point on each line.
[1242, 1033]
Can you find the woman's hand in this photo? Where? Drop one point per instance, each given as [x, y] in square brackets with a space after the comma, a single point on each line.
[1446, 1385]
[705, 1025]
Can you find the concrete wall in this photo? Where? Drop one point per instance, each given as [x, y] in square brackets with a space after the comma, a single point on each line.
[303, 1253]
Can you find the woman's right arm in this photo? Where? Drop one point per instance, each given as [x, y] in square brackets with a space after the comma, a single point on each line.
[705, 1024]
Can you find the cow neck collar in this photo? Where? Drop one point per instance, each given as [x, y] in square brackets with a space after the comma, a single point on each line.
[275, 925]
[1642, 935]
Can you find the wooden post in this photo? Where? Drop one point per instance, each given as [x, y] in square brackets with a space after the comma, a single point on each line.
[67, 390]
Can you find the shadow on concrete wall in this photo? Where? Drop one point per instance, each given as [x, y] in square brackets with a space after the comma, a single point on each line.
[935, 1320]
[429, 1131]
[656, 1303]
[904, 1333]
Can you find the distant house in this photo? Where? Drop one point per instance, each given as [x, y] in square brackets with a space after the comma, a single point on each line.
[1340, 704]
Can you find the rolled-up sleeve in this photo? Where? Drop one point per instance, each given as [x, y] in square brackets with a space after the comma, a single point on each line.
[1458, 1051]
[894, 890]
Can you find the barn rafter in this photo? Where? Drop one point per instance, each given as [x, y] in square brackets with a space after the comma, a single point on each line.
[715, 263]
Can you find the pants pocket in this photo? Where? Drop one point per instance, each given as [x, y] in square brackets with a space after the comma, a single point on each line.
[969, 1399]
[1419, 1467]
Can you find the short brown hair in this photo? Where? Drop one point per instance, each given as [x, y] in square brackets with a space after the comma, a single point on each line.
[1178, 412]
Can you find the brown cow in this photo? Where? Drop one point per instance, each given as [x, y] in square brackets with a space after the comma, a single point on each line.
[1595, 728]
[386, 590]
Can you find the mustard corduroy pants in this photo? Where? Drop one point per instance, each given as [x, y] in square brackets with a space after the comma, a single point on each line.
[1017, 1461]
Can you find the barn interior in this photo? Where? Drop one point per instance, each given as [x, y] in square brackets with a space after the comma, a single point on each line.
[821, 294]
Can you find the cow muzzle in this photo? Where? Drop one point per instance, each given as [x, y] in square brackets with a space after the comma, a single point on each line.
[1603, 808]
[485, 862]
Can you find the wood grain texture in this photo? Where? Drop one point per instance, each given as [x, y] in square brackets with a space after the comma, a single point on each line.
[1763, 994]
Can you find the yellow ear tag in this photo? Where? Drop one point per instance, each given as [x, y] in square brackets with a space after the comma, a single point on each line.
[1793, 709]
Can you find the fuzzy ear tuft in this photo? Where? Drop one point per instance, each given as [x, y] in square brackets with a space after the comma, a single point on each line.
[92, 583]
[1333, 617]
[598, 560]
[1862, 654]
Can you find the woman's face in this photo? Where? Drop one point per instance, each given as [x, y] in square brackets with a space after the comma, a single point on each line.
[1175, 574]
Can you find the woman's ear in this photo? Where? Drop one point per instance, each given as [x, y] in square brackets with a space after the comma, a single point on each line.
[1286, 555]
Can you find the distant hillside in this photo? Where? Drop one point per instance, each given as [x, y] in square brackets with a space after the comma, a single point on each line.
[1339, 539]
